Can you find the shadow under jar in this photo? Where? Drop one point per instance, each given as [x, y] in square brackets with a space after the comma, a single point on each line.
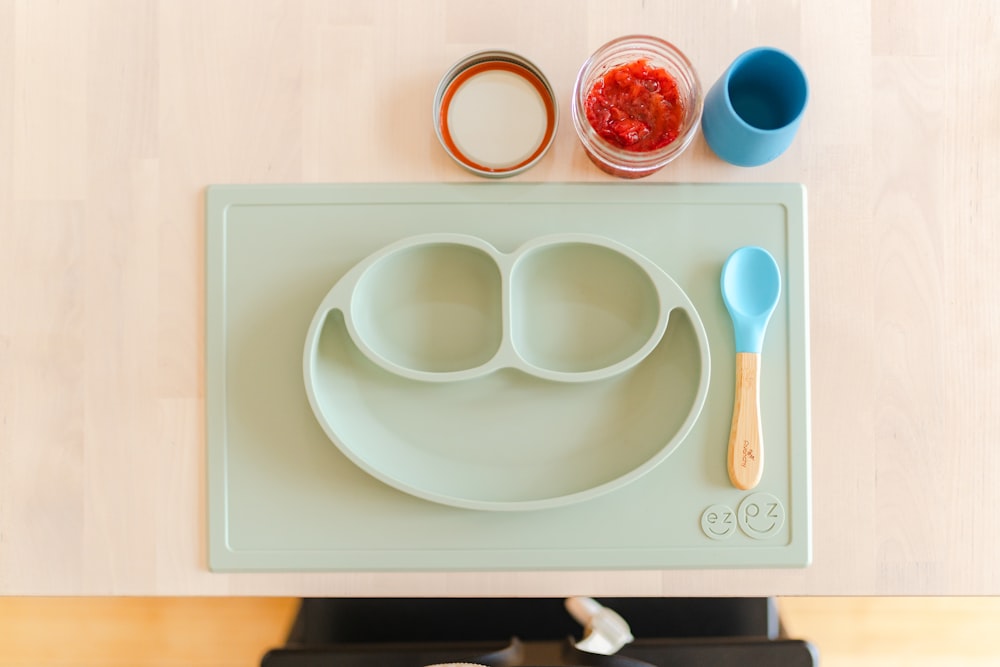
[637, 104]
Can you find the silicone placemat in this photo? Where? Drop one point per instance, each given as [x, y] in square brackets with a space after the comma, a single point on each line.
[281, 495]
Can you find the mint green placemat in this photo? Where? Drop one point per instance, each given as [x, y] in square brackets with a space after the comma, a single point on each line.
[282, 496]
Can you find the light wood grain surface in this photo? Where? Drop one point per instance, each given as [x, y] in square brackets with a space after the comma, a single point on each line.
[114, 116]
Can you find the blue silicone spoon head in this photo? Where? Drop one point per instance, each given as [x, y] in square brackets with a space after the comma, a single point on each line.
[751, 284]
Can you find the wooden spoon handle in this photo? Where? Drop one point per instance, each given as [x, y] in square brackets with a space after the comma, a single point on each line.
[746, 451]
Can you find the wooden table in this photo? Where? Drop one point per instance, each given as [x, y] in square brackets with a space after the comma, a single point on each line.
[114, 116]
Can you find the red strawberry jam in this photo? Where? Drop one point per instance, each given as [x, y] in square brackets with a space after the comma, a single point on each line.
[636, 107]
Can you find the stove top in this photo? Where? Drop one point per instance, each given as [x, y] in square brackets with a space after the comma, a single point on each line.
[535, 632]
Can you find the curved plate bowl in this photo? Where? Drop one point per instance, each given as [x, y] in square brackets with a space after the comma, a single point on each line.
[508, 440]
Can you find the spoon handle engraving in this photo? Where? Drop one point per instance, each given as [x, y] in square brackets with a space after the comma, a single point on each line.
[746, 452]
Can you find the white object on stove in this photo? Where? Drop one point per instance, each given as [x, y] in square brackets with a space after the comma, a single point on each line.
[605, 632]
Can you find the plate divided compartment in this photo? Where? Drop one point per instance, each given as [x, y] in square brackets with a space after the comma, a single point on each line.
[496, 376]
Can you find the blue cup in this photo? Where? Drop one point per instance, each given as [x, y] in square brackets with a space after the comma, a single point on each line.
[752, 112]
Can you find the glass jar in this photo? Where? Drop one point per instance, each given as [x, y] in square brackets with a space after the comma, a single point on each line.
[610, 156]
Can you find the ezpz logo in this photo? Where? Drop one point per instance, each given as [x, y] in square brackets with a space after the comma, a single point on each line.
[760, 516]
[747, 453]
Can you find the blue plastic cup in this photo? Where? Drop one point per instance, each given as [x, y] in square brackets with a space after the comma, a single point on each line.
[753, 111]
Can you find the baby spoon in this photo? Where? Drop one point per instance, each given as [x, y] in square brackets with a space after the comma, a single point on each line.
[751, 284]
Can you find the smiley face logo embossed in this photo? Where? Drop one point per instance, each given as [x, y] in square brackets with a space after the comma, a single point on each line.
[761, 516]
[718, 522]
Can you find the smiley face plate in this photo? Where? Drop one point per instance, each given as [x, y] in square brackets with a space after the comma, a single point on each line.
[282, 496]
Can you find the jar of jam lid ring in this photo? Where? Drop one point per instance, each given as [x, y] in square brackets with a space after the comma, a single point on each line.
[495, 113]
